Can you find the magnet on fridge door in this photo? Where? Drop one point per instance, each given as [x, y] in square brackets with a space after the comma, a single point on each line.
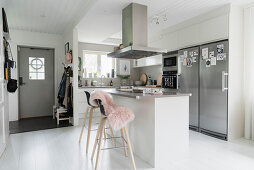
[208, 62]
[185, 54]
[194, 59]
[185, 61]
[189, 62]
[213, 61]
[195, 52]
[211, 54]
[221, 56]
[181, 57]
[205, 53]
[220, 48]
[191, 54]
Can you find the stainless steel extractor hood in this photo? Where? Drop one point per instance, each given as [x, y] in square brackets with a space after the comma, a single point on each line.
[134, 34]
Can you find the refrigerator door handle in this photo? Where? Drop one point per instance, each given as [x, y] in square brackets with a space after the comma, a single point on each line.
[224, 81]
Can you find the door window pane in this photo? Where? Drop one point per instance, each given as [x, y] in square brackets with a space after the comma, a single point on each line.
[41, 76]
[36, 68]
[32, 76]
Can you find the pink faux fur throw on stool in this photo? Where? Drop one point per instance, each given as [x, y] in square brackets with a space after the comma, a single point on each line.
[118, 116]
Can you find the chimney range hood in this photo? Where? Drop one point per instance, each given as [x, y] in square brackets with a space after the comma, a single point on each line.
[134, 34]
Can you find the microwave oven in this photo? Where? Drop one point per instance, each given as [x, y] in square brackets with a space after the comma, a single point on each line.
[170, 61]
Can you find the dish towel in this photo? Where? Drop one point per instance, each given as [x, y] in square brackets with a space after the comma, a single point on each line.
[118, 116]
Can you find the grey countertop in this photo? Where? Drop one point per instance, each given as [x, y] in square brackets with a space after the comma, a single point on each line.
[83, 87]
[143, 95]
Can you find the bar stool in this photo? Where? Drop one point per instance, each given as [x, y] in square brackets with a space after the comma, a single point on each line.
[98, 139]
[91, 108]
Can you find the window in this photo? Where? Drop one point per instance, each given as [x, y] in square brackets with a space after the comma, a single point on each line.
[36, 68]
[97, 64]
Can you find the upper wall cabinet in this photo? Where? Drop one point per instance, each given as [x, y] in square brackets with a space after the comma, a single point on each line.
[168, 41]
[148, 61]
[187, 36]
[196, 34]
[214, 29]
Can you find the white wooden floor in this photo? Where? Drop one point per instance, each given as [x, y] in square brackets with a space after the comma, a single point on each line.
[58, 149]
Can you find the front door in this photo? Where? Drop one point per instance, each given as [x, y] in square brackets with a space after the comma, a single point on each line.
[36, 79]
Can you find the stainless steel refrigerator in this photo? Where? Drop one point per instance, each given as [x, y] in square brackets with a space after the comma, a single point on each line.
[214, 89]
[189, 81]
[203, 71]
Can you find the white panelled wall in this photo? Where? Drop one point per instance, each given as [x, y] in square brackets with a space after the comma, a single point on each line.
[34, 39]
[4, 111]
[249, 71]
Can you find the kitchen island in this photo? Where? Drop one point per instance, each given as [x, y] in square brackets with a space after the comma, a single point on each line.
[160, 131]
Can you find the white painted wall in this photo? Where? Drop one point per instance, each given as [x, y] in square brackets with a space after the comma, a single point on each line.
[236, 58]
[75, 77]
[4, 113]
[249, 71]
[35, 39]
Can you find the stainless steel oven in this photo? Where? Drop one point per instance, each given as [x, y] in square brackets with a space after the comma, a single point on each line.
[170, 80]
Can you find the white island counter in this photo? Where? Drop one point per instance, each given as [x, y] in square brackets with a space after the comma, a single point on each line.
[160, 131]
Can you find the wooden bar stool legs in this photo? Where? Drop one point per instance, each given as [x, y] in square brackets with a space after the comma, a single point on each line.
[89, 128]
[98, 140]
[89, 125]
[130, 148]
[97, 137]
[84, 123]
[123, 142]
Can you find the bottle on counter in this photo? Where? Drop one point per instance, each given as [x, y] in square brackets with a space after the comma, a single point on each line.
[111, 83]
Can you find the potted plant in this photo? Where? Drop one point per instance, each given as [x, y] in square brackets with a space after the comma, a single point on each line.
[123, 79]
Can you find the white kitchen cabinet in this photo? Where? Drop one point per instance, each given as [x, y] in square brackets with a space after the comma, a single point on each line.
[139, 62]
[214, 29]
[167, 41]
[148, 61]
[188, 36]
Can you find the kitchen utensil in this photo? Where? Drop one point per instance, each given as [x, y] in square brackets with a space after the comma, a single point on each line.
[149, 81]
[126, 90]
[151, 85]
[138, 83]
[155, 82]
[159, 80]
[143, 78]
[94, 83]
[137, 91]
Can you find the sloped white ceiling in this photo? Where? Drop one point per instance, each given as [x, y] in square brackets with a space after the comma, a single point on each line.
[103, 21]
[48, 16]
[99, 21]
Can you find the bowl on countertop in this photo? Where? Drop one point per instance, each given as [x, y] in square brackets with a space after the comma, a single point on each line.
[138, 83]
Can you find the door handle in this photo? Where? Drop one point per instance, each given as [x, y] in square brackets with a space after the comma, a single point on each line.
[21, 83]
[224, 81]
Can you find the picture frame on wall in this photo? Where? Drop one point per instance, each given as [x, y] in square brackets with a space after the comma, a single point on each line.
[124, 67]
[66, 47]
